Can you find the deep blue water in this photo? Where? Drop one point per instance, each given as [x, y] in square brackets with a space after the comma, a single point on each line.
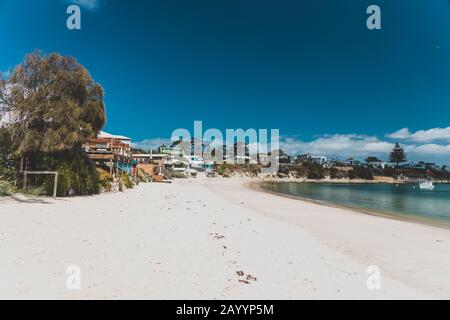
[405, 200]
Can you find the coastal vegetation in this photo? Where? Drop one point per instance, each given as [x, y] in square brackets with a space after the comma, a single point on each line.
[49, 105]
[397, 155]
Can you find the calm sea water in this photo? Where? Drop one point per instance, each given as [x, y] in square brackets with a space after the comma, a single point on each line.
[405, 200]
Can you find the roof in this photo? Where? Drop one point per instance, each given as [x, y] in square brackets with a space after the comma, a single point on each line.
[151, 155]
[104, 134]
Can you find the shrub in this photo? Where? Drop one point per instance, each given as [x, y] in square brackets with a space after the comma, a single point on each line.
[178, 175]
[127, 182]
[6, 188]
[351, 174]
[363, 173]
[105, 179]
[143, 176]
[36, 191]
[228, 169]
[77, 173]
[314, 170]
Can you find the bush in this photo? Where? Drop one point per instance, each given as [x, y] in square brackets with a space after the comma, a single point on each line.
[77, 173]
[314, 170]
[36, 191]
[363, 173]
[127, 182]
[106, 181]
[228, 169]
[143, 176]
[351, 174]
[6, 188]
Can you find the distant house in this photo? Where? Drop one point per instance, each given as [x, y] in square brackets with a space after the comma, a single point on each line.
[322, 160]
[380, 164]
[319, 159]
[421, 165]
[174, 150]
[283, 157]
[352, 162]
[159, 158]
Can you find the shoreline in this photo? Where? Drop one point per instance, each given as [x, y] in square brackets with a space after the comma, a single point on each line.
[430, 222]
[405, 250]
[213, 239]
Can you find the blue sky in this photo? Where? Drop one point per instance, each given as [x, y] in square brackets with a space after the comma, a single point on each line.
[310, 68]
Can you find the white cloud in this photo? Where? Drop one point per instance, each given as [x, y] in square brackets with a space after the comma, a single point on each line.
[87, 4]
[434, 134]
[400, 134]
[432, 149]
[338, 145]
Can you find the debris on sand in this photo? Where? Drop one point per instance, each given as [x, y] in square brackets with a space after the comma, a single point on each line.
[245, 278]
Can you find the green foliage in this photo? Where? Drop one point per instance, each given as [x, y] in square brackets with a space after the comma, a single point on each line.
[106, 181]
[362, 173]
[8, 161]
[335, 173]
[36, 191]
[314, 170]
[397, 155]
[351, 174]
[6, 188]
[228, 169]
[54, 103]
[372, 159]
[127, 182]
[143, 176]
[77, 173]
[178, 175]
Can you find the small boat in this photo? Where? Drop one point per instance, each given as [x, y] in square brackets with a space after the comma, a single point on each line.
[426, 185]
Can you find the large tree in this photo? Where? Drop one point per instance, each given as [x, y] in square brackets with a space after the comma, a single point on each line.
[397, 155]
[51, 104]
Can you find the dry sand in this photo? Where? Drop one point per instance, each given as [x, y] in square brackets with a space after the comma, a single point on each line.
[190, 240]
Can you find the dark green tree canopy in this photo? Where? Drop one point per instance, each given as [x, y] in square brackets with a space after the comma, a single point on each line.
[397, 155]
[370, 159]
[51, 104]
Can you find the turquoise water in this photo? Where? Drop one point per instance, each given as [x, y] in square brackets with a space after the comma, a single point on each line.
[405, 200]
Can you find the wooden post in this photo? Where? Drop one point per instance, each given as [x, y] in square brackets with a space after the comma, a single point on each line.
[55, 185]
[110, 167]
[24, 180]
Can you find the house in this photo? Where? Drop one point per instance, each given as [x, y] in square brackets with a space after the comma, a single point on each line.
[110, 151]
[322, 160]
[319, 159]
[283, 157]
[421, 165]
[156, 158]
[380, 164]
[352, 162]
[106, 135]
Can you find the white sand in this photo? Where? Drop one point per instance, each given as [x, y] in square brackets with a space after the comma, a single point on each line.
[163, 241]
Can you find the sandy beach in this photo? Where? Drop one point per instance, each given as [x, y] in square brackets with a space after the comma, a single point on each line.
[213, 239]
